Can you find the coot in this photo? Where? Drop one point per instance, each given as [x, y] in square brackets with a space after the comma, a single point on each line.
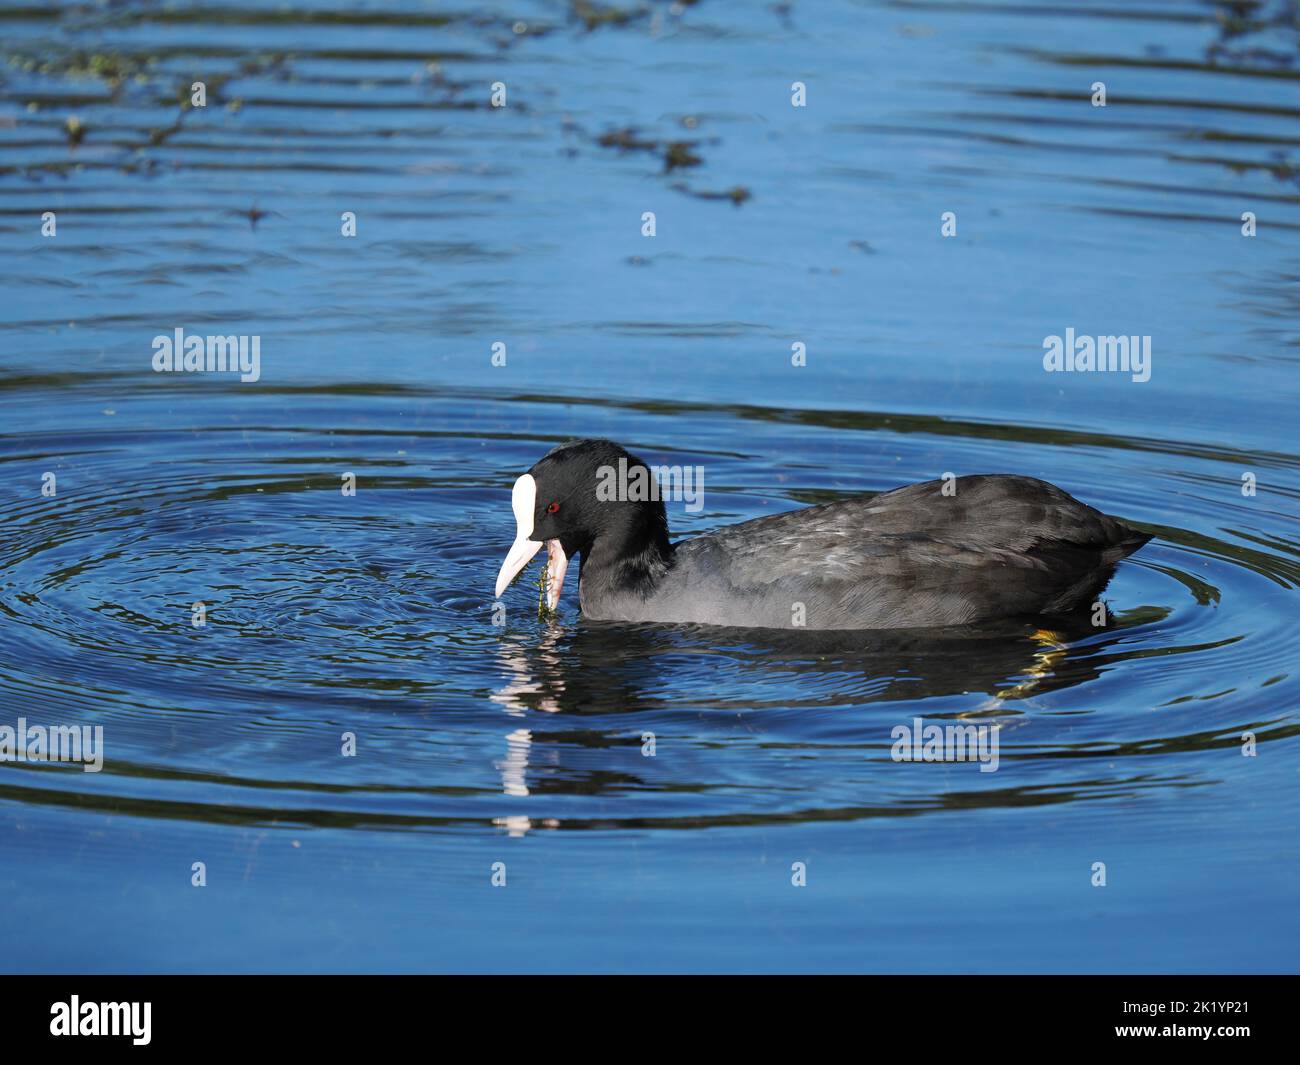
[991, 546]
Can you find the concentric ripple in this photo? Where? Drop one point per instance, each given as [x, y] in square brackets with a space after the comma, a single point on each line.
[326, 612]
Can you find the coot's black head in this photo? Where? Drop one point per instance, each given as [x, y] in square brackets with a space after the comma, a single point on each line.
[587, 498]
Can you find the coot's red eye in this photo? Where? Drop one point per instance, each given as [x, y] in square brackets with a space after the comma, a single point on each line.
[553, 508]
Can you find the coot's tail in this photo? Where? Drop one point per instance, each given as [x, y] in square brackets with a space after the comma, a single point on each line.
[1129, 541]
[1085, 571]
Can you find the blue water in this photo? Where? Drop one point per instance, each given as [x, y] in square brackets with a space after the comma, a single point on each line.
[522, 743]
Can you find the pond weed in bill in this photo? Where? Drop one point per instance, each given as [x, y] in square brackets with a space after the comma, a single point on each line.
[526, 743]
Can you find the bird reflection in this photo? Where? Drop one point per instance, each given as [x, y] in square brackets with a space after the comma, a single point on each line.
[599, 670]
[513, 769]
[523, 691]
[602, 668]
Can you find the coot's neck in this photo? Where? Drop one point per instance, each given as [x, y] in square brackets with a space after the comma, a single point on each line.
[629, 555]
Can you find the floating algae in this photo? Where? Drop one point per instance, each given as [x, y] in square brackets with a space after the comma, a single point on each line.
[544, 612]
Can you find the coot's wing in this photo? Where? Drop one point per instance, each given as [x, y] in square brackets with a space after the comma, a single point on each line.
[996, 545]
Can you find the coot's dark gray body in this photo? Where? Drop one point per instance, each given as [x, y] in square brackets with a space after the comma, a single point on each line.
[993, 546]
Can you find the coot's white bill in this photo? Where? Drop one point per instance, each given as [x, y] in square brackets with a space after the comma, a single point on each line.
[523, 501]
[521, 553]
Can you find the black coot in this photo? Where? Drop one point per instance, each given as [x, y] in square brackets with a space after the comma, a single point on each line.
[998, 546]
